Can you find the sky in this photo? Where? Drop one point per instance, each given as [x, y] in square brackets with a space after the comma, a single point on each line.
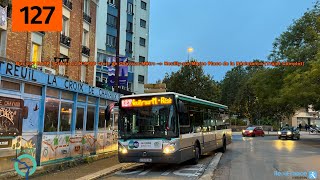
[217, 30]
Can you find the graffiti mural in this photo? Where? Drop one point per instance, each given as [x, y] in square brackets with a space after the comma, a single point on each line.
[31, 123]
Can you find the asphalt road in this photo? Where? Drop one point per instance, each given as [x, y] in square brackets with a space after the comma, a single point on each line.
[259, 157]
[160, 171]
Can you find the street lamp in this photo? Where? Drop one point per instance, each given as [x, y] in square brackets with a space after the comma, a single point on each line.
[190, 50]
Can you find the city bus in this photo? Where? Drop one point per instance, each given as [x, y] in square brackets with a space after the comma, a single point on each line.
[169, 128]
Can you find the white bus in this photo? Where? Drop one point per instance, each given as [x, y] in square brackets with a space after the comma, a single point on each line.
[169, 128]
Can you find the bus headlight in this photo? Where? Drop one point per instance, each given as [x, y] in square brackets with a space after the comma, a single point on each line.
[122, 149]
[168, 149]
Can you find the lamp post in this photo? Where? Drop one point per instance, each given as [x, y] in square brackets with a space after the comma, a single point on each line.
[190, 50]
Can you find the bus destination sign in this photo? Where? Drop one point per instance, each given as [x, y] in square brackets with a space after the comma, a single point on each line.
[125, 103]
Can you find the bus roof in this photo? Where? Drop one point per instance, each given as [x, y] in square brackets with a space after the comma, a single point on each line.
[180, 96]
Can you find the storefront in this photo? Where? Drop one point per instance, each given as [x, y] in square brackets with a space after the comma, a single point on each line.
[65, 118]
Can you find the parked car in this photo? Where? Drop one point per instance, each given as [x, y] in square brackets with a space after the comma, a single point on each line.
[253, 131]
[289, 133]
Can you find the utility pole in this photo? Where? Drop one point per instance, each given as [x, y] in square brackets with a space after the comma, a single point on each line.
[116, 83]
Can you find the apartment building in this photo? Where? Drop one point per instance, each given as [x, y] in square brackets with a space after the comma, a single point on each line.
[134, 40]
[76, 42]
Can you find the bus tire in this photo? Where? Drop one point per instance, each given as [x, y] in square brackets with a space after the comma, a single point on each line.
[196, 158]
[223, 149]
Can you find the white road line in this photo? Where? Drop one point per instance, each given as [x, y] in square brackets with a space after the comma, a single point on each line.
[211, 167]
[166, 173]
[145, 172]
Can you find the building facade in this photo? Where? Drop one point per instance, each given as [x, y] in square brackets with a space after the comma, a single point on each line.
[75, 43]
[134, 40]
[53, 113]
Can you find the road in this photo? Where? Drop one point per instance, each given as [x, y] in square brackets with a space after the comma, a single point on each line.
[259, 157]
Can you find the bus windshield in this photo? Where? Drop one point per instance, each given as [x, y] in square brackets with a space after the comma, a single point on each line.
[148, 122]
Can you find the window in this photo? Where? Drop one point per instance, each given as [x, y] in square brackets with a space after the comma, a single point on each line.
[111, 41]
[129, 27]
[65, 26]
[142, 41]
[62, 68]
[51, 115]
[143, 5]
[140, 79]
[83, 73]
[111, 2]
[65, 116]
[128, 46]
[103, 102]
[90, 118]
[102, 122]
[67, 95]
[143, 23]
[86, 6]
[32, 89]
[82, 98]
[130, 8]
[36, 53]
[112, 20]
[142, 59]
[92, 100]
[52, 92]
[10, 85]
[79, 120]
[85, 38]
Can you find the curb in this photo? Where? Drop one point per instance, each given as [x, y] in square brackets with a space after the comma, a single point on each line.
[209, 172]
[59, 166]
[107, 171]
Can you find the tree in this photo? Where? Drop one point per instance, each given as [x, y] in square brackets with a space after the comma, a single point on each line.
[192, 81]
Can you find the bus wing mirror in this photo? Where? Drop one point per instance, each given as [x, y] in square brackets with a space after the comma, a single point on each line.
[181, 107]
[108, 111]
[25, 112]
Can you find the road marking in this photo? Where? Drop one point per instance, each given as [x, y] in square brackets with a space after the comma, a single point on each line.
[166, 173]
[145, 172]
[197, 168]
[127, 173]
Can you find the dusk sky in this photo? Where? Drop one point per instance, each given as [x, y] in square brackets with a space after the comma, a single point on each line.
[224, 30]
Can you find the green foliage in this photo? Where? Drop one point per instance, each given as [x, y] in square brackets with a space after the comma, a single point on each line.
[191, 80]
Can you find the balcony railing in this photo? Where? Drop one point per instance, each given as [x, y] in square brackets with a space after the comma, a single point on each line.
[65, 40]
[68, 4]
[85, 50]
[86, 17]
[42, 32]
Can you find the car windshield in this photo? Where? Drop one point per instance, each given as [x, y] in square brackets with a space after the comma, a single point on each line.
[287, 129]
[148, 122]
[251, 128]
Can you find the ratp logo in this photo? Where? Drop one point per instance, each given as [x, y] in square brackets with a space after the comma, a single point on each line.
[312, 175]
[19, 161]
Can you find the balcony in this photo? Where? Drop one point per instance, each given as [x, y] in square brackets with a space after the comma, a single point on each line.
[85, 50]
[86, 17]
[42, 32]
[65, 40]
[68, 4]
[129, 51]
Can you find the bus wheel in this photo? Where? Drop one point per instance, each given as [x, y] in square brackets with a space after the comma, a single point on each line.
[196, 158]
[223, 149]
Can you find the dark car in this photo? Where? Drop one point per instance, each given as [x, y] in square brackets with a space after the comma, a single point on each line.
[253, 131]
[289, 133]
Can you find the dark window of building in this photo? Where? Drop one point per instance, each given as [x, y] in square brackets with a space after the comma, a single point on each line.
[90, 118]
[67, 95]
[143, 23]
[112, 20]
[81, 98]
[10, 85]
[129, 46]
[111, 41]
[32, 89]
[143, 5]
[65, 116]
[92, 100]
[142, 41]
[102, 102]
[129, 27]
[130, 8]
[142, 59]
[79, 120]
[52, 92]
[141, 79]
[51, 115]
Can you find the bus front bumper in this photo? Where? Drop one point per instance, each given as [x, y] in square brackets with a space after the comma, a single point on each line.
[149, 157]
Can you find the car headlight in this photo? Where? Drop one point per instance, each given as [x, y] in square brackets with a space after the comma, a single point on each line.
[250, 131]
[289, 132]
[279, 132]
[169, 149]
[243, 131]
